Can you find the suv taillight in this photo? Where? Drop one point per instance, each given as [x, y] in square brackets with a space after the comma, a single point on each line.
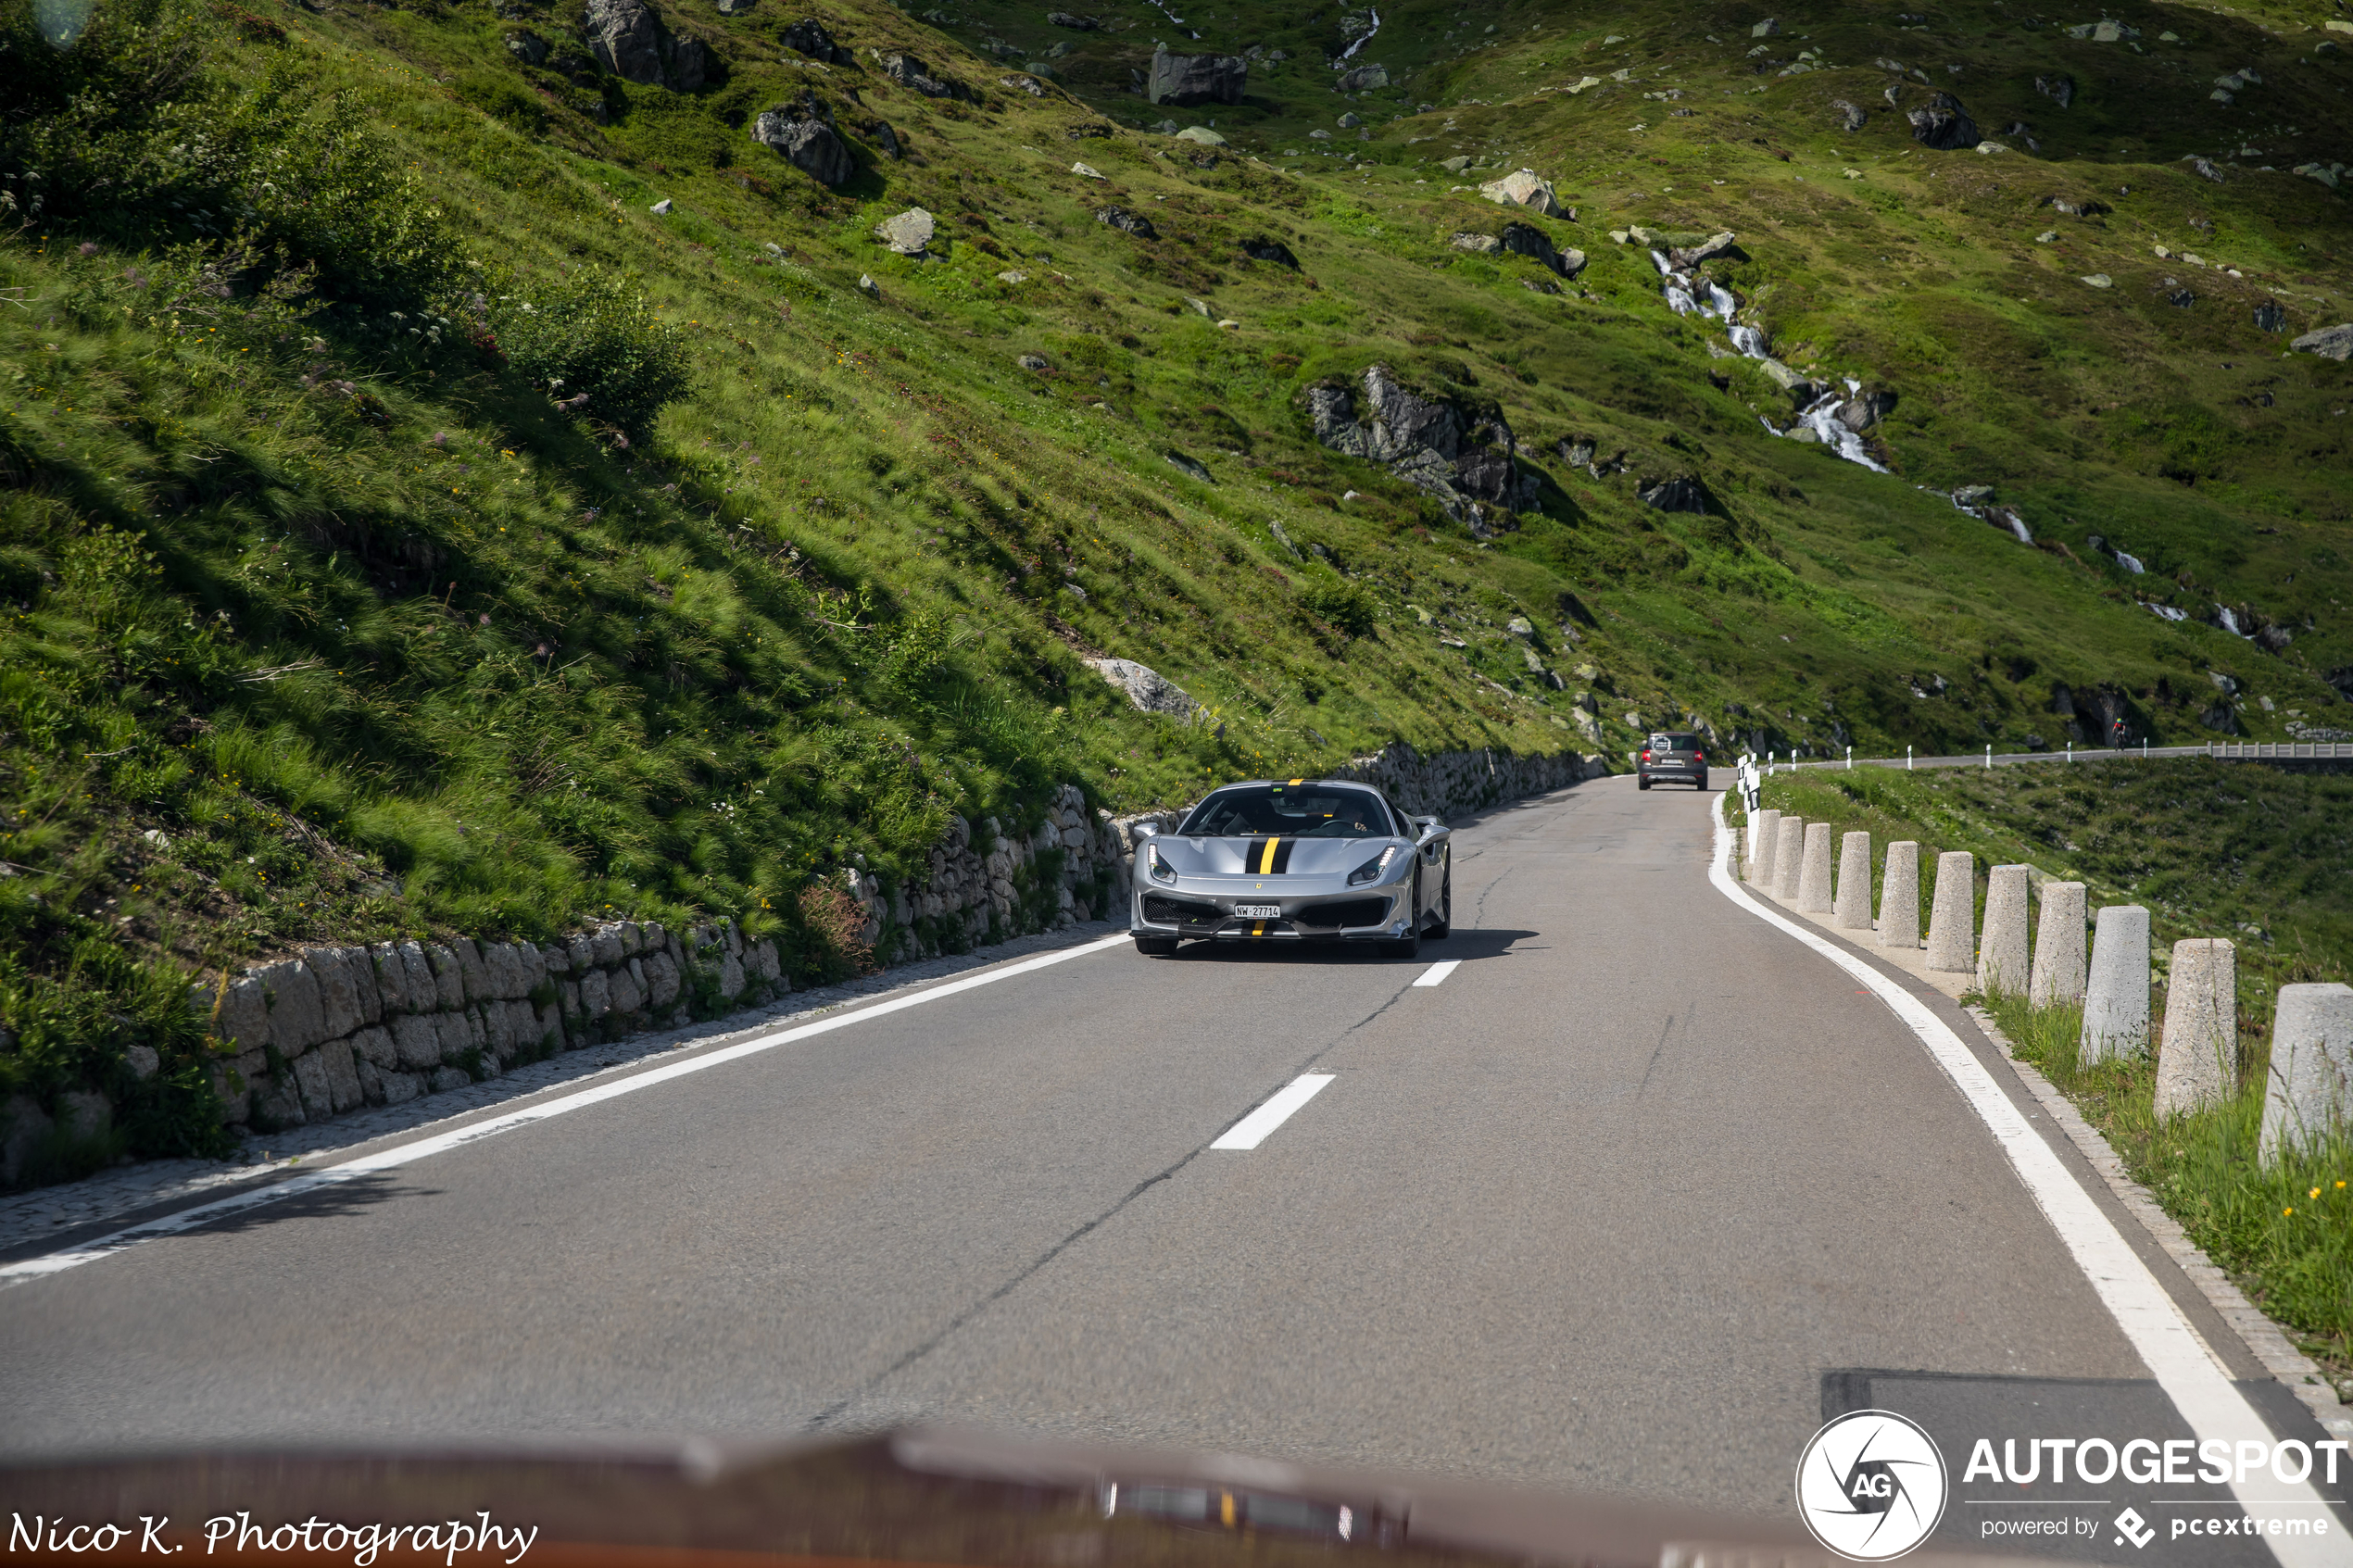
[1646, 756]
[1699, 756]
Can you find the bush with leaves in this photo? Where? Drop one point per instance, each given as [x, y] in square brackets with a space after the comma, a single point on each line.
[588, 334]
[1343, 605]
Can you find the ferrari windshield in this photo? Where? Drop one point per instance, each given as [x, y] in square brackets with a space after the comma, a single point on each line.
[1290, 812]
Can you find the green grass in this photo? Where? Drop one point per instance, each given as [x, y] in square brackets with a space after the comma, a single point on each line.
[2284, 1232]
[303, 570]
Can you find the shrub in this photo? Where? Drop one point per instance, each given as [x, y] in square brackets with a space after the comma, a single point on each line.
[837, 928]
[1343, 605]
[589, 334]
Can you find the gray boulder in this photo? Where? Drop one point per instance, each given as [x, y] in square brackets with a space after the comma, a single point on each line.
[910, 72]
[1685, 257]
[1075, 23]
[1674, 496]
[1364, 78]
[2059, 87]
[2270, 317]
[1942, 124]
[1145, 687]
[1128, 222]
[1263, 249]
[527, 46]
[626, 36]
[1463, 458]
[808, 36]
[1851, 116]
[2329, 343]
[1523, 239]
[1860, 413]
[1191, 466]
[808, 145]
[736, 8]
[1190, 79]
[909, 234]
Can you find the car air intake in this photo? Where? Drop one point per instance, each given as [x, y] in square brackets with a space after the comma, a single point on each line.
[1332, 917]
[1181, 912]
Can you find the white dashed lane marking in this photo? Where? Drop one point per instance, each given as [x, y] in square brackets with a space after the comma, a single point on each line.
[1252, 1129]
[1435, 973]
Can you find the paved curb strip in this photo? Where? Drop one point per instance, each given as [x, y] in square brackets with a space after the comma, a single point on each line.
[419, 1148]
[2184, 1367]
[2267, 1341]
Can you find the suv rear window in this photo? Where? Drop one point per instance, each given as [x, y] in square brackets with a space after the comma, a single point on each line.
[1675, 743]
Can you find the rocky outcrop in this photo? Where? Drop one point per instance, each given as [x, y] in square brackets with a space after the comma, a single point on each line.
[1851, 116]
[808, 143]
[629, 40]
[1526, 239]
[2329, 343]
[909, 232]
[1364, 78]
[1150, 691]
[1128, 222]
[1463, 457]
[1683, 495]
[1942, 123]
[1069, 20]
[910, 72]
[808, 36]
[1524, 188]
[1260, 248]
[2059, 88]
[1188, 80]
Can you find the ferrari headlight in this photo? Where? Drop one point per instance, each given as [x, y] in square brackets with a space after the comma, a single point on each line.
[1371, 869]
[1162, 870]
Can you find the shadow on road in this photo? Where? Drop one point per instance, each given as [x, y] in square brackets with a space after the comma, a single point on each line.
[1467, 946]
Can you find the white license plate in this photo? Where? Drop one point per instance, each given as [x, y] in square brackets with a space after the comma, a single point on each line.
[1258, 911]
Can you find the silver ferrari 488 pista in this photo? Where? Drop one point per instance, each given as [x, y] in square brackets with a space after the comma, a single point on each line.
[1287, 860]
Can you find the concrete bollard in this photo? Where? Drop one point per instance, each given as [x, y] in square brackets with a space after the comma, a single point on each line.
[2307, 1095]
[1952, 915]
[2001, 952]
[1760, 844]
[1789, 851]
[1814, 871]
[2197, 1058]
[2059, 946]
[1899, 898]
[2116, 1003]
[1853, 910]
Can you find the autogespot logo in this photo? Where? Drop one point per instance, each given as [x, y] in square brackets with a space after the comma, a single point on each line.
[1871, 1486]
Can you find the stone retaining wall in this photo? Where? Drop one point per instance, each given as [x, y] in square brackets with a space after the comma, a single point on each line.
[337, 1028]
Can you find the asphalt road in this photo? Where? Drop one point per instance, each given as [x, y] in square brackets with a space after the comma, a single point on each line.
[1602, 1209]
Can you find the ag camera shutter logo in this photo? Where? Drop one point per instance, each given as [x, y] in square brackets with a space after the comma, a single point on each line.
[1871, 1486]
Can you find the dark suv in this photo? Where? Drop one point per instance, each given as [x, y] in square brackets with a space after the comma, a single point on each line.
[1672, 754]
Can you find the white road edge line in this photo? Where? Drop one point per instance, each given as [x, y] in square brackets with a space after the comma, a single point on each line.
[439, 1143]
[1435, 973]
[2180, 1361]
[1252, 1130]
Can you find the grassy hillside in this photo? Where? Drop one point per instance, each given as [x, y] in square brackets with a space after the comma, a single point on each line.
[333, 609]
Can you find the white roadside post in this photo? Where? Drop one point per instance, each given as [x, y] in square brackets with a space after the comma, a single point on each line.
[1814, 871]
[1952, 916]
[2197, 1058]
[2116, 1003]
[2001, 953]
[2308, 1094]
[1762, 830]
[2059, 946]
[1789, 854]
[1853, 910]
[1907, 759]
[1850, 759]
[1899, 897]
[1989, 757]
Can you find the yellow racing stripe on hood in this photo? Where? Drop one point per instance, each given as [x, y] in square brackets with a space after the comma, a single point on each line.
[1266, 861]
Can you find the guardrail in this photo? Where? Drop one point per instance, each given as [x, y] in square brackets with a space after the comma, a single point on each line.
[2227, 751]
